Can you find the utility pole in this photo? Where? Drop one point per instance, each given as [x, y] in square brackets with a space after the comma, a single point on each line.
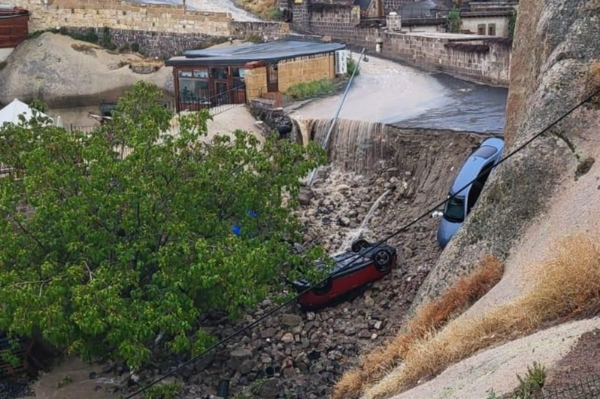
[337, 114]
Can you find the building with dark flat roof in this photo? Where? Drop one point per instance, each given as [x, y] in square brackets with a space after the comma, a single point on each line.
[237, 74]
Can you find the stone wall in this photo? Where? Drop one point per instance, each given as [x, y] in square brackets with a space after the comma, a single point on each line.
[334, 21]
[300, 17]
[154, 44]
[339, 23]
[256, 82]
[265, 30]
[305, 69]
[484, 61]
[125, 16]
[481, 59]
[158, 29]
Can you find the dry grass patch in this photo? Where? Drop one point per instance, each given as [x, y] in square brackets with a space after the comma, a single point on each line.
[594, 81]
[567, 286]
[434, 315]
[266, 9]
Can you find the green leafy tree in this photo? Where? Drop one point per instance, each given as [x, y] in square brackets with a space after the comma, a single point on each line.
[38, 105]
[113, 238]
[454, 22]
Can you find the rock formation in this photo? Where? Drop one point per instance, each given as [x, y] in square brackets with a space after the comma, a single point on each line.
[65, 73]
[554, 66]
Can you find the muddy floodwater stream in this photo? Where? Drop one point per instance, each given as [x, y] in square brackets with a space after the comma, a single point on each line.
[388, 92]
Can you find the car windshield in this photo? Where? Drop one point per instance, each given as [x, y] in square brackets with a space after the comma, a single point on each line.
[484, 152]
[455, 210]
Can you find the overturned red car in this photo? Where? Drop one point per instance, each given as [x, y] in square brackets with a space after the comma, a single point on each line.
[364, 264]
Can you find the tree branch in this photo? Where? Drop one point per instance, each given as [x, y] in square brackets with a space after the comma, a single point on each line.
[29, 234]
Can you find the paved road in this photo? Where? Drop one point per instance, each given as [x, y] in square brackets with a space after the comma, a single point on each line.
[208, 5]
[392, 93]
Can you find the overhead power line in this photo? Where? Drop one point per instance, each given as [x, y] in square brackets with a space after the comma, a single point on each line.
[379, 243]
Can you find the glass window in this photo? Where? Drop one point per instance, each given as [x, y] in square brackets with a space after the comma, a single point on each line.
[492, 29]
[193, 90]
[201, 73]
[455, 210]
[239, 72]
[484, 152]
[185, 74]
[220, 73]
[238, 77]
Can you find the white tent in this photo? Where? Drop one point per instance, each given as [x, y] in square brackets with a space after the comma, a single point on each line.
[10, 113]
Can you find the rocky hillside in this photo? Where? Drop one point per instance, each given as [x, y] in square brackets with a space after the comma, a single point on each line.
[548, 191]
[554, 65]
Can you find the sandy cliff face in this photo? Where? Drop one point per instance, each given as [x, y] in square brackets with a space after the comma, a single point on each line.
[555, 65]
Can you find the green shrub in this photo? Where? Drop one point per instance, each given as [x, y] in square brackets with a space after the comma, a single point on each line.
[163, 391]
[512, 23]
[106, 35]
[38, 104]
[274, 14]
[302, 91]
[532, 383]
[254, 39]
[492, 394]
[352, 65]
[68, 380]
[36, 34]
[2, 65]
[454, 21]
[135, 47]
[89, 36]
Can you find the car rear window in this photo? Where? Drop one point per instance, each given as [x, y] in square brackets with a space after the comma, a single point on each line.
[347, 259]
[484, 152]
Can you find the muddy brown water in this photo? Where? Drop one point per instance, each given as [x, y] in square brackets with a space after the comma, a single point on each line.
[391, 93]
[81, 385]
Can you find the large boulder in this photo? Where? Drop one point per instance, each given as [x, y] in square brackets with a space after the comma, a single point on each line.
[68, 73]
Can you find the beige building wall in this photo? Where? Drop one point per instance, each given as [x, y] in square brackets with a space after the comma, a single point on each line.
[305, 69]
[121, 15]
[256, 82]
[471, 24]
[117, 14]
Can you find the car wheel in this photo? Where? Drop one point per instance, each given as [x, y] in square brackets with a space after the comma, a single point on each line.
[359, 245]
[383, 259]
[323, 288]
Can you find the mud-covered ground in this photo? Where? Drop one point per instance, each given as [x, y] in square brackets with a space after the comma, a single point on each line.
[312, 349]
